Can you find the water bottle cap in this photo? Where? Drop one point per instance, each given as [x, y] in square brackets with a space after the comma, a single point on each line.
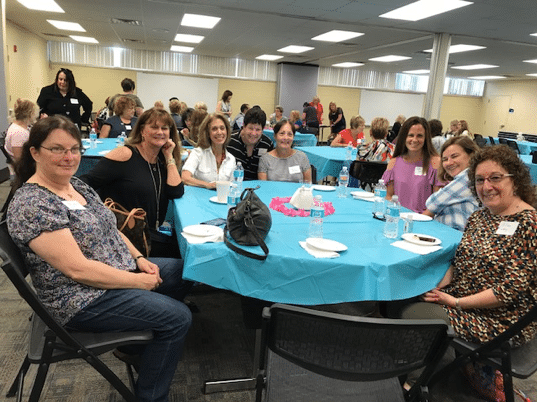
[395, 198]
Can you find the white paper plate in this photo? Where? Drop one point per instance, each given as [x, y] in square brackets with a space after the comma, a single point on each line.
[325, 244]
[416, 216]
[323, 188]
[215, 200]
[414, 238]
[202, 230]
[362, 194]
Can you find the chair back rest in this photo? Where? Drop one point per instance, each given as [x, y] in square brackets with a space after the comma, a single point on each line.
[502, 140]
[367, 172]
[491, 139]
[480, 141]
[15, 267]
[513, 145]
[354, 348]
[8, 157]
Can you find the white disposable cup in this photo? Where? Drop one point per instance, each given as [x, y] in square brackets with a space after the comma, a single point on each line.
[222, 190]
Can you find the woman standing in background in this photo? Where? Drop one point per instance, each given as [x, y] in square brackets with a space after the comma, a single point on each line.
[63, 97]
[337, 119]
[224, 105]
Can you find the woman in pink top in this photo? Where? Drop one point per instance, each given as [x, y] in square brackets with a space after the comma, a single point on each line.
[411, 173]
[18, 132]
[353, 134]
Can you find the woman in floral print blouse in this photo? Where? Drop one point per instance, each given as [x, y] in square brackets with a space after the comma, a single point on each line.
[493, 281]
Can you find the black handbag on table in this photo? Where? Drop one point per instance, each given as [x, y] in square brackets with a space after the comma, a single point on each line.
[248, 224]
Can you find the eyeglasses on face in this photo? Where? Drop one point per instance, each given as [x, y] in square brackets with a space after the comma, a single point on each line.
[493, 179]
[63, 151]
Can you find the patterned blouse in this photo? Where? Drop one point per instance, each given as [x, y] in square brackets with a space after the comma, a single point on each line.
[34, 210]
[506, 264]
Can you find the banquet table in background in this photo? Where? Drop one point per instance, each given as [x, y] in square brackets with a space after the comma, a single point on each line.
[301, 140]
[531, 166]
[525, 147]
[327, 160]
[371, 268]
[92, 155]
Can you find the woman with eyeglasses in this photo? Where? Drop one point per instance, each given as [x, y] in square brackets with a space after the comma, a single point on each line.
[87, 274]
[63, 97]
[492, 281]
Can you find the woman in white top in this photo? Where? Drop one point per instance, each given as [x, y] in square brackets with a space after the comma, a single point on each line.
[224, 105]
[18, 132]
[210, 161]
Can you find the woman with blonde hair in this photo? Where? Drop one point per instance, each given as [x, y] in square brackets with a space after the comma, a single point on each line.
[210, 161]
[18, 132]
[378, 150]
[462, 129]
[294, 117]
[353, 134]
[122, 121]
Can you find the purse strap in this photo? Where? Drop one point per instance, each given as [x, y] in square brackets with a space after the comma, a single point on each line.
[246, 253]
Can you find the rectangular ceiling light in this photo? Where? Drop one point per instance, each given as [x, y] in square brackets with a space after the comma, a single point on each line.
[269, 57]
[199, 21]
[424, 9]
[460, 48]
[530, 61]
[337, 36]
[532, 75]
[417, 72]
[347, 64]
[85, 39]
[42, 5]
[487, 77]
[475, 67]
[182, 49]
[533, 34]
[188, 38]
[67, 26]
[295, 49]
[390, 58]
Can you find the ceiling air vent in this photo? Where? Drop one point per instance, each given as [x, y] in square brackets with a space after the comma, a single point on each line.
[56, 35]
[133, 41]
[125, 21]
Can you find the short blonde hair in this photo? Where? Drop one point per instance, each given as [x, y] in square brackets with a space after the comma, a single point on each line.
[357, 121]
[379, 128]
[200, 105]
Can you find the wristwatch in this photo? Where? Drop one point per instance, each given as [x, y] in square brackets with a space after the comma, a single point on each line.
[457, 306]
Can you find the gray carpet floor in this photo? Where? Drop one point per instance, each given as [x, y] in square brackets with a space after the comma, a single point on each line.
[218, 346]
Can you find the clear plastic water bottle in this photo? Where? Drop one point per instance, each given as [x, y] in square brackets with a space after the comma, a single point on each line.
[343, 182]
[238, 175]
[121, 138]
[233, 195]
[354, 152]
[348, 155]
[316, 217]
[93, 138]
[379, 206]
[391, 227]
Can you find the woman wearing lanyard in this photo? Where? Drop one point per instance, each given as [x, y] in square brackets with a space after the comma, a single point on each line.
[63, 97]
[123, 120]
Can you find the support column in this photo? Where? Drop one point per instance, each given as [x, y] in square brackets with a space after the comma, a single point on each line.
[437, 76]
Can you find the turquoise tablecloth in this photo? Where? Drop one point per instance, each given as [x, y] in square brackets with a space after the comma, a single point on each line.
[92, 155]
[301, 140]
[327, 160]
[525, 147]
[371, 269]
[531, 166]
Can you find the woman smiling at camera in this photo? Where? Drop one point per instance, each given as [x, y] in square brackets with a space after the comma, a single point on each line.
[453, 204]
[86, 273]
[284, 163]
[492, 281]
[210, 161]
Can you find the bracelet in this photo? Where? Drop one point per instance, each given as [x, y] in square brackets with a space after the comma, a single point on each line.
[138, 257]
[457, 306]
[170, 161]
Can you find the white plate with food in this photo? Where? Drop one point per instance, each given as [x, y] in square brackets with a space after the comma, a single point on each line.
[325, 244]
[416, 217]
[202, 230]
[421, 239]
[215, 200]
[319, 187]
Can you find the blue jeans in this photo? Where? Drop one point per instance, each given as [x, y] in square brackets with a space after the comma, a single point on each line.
[136, 310]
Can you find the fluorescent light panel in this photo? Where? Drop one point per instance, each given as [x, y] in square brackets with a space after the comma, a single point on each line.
[269, 57]
[390, 58]
[533, 34]
[337, 36]
[67, 26]
[188, 38]
[474, 67]
[199, 21]
[532, 75]
[460, 48]
[42, 5]
[487, 77]
[417, 72]
[530, 61]
[347, 64]
[295, 49]
[424, 9]
[182, 49]
[85, 39]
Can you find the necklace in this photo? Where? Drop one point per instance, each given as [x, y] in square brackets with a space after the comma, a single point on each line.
[156, 168]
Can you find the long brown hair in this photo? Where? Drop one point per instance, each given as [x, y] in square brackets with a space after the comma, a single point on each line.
[427, 151]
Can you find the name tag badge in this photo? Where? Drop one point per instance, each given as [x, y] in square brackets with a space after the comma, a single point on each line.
[262, 151]
[418, 171]
[128, 126]
[73, 205]
[294, 169]
[74, 101]
[507, 228]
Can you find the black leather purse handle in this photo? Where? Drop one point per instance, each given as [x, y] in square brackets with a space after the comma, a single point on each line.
[250, 226]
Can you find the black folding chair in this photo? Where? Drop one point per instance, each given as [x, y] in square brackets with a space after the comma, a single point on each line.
[310, 355]
[491, 139]
[369, 173]
[480, 141]
[502, 140]
[499, 352]
[512, 144]
[50, 342]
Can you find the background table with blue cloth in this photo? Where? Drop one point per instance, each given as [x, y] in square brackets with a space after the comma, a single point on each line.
[327, 160]
[371, 269]
[92, 155]
[531, 166]
[525, 147]
[300, 140]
